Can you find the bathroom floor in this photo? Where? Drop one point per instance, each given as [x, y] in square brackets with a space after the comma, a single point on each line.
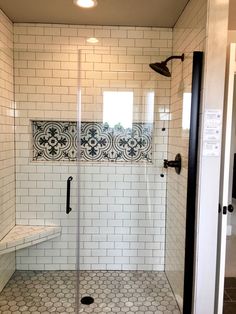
[131, 292]
[230, 295]
[230, 276]
[230, 262]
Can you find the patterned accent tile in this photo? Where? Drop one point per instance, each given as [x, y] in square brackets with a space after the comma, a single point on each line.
[58, 141]
[121, 292]
[101, 143]
[54, 140]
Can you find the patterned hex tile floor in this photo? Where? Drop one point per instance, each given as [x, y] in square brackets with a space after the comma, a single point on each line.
[39, 292]
[130, 292]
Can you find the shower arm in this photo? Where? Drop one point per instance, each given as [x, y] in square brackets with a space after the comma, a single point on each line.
[174, 57]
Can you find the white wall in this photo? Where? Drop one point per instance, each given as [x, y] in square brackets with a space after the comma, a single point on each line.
[7, 169]
[209, 167]
[189, 35]
[122, 206]
[123, 209]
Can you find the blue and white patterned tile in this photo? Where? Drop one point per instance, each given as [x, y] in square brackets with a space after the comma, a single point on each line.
[95, 141]
[54, 140]
[101, 143]
[98, 142]
[135, 144]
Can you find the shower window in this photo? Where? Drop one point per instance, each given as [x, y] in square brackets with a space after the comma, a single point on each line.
[118, 108]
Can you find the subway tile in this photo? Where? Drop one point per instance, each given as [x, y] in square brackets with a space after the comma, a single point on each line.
[114, 182]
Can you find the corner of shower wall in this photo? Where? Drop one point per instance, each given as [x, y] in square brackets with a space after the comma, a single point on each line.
[7, 165]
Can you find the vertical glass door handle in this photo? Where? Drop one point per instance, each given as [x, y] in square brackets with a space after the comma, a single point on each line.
[68, 208]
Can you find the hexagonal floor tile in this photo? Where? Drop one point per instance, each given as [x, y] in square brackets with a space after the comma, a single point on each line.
[128, 292]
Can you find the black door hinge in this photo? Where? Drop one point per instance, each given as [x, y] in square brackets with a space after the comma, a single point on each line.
[226, 209]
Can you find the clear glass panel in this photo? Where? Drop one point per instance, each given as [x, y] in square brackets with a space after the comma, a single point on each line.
[124, 113]
[123, 131]
[45, 140]
[179, 124]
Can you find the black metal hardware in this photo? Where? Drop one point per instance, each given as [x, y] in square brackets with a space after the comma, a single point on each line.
[228, 208]
[68, 208]
[234, 178]
[193, 164]
[174, 163]
[224, 210]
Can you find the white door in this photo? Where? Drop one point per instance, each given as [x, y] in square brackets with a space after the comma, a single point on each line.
[225, 185]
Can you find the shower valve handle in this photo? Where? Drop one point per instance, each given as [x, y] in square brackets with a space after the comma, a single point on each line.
[174, 163]
[170, 163]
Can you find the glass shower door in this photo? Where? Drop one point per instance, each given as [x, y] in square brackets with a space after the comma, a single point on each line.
[181, 188]
[123, 117]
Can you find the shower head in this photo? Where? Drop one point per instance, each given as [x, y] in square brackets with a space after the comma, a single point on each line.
[161, 67]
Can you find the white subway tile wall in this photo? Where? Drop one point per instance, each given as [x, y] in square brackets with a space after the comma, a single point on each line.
[189, 35]
[7, 165]
[127, 202]
[122, 207]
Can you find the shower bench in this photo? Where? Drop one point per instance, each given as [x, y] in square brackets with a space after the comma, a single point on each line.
[20, 237]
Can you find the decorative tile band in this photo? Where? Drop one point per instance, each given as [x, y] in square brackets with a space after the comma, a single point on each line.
[102, 143]
[54, 140]
[57, 140]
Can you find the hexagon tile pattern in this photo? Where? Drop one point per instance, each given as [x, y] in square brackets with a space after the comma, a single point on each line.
[130, 292]
[36, 292]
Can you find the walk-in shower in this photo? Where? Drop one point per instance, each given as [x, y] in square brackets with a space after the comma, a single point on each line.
[100, 220]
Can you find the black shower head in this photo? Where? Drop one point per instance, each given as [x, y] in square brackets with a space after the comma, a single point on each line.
[161, 67]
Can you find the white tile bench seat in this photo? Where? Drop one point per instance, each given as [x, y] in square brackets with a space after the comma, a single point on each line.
[23, 236]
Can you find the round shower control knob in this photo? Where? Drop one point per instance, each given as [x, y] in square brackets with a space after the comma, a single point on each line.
[177, 163]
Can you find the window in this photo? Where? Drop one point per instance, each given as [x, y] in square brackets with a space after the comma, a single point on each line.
[118, 108]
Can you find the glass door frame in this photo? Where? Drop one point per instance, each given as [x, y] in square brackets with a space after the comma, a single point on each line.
[192, 182]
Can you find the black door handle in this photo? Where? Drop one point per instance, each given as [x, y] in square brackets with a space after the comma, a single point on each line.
[68, 208]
